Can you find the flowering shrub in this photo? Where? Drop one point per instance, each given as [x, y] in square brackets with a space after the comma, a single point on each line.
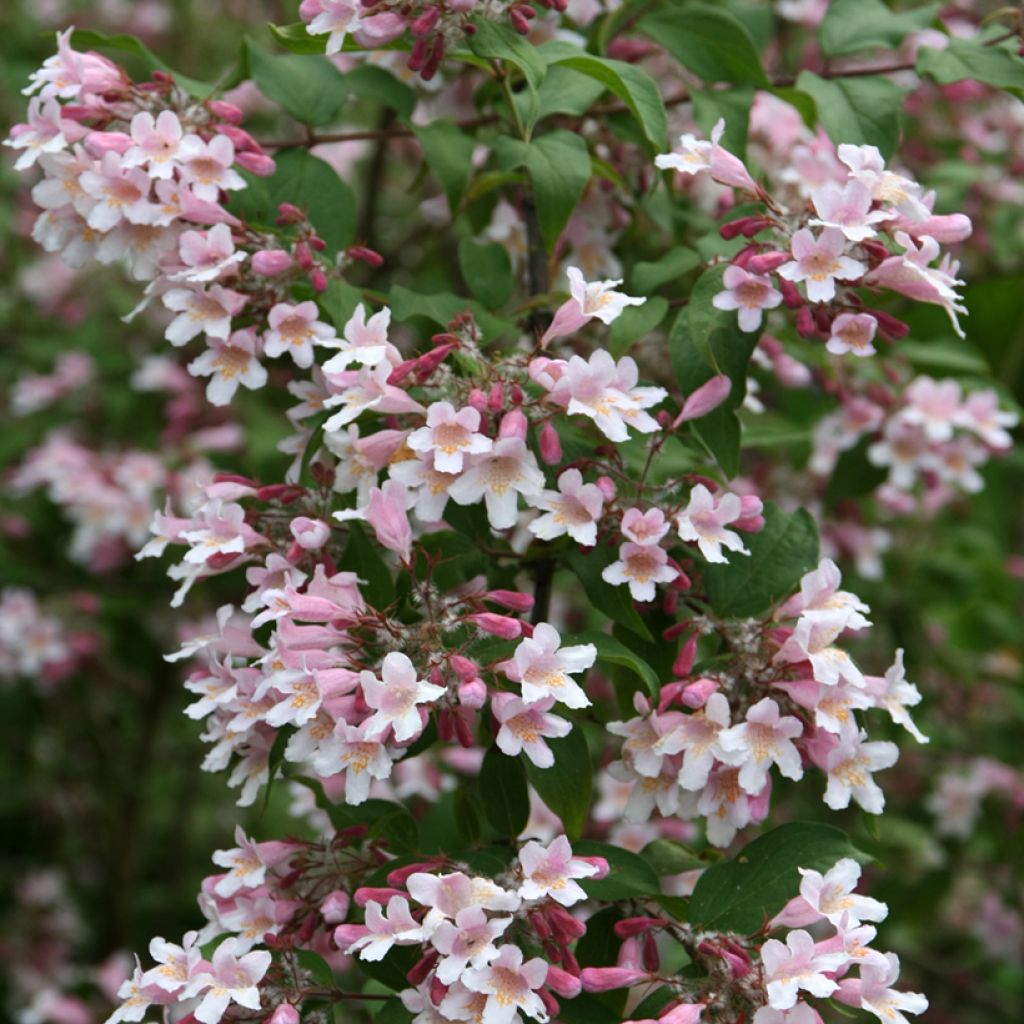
[526, 478]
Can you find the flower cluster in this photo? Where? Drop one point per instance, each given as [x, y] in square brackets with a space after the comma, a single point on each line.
[37, 644]
[789, 700]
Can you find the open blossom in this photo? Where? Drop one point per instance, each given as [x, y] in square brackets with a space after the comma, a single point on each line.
[466, 942]
[362, 340]
[200, 311]
[874, 988]
[867, 166]
[450, 435]
[705, 519]
[247, 864]
[589, 299]
[819, 263]
[510, 986]
[640, 566]
[206, 166]
[545, 668]
[797, 964]
[894, 693]
[644, 528]
[499, 477]
[832, 896]
[848, 208]
[574, 509]
[361, 756]
[552, 872]
[395, 697]
[751, 294]
[175, 964]
[45, 132]
[155, 143]
[850, 765]
[339, 18]
[765, 738]
[231, 979]
[295, 330]
[397, 927]
[207, 254]
[118, 193]
[852, 332]
[524, 727]
[229, 364]
[694, 156]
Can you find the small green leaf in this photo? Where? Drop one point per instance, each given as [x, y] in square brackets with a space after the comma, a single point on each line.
[668, 857]
[748, 585]
[852, 26]
[310, 88]
[646, 277]
[862, 111]
[506, 795]
[566, 786]
[449, 154]
[967, 59]
[635, 322]
[296, 39]
[707, 40]
[741, 894]
[373, 82]
[565, 91]
[487, 270]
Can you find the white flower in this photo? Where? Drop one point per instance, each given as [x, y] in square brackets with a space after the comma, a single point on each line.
[396, 697]
[850, 766]
[499, 477]
[763, 739]
[545, 669]
[704, 520]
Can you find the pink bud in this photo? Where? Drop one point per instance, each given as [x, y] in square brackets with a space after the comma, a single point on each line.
[805, 324]
[438, 990]
[550, 1003]
[562, 982]
[478, 400]
[604, 979]
[550, 445]
[514, 424]
[791, 297]
[318, 279]
[767, 262]
[708, 396]
[334, 908]
[225, 111]
[284, 1014]
[260, 164]
[513, 599]
[684, 1013]
[635, 925]
[289, 214]
[98, 143]
[596, 862]
[268, 262]
[310, 534]
[425, 23]
[696, 694]
[472, 694]
[685, 658]
[417, 974]
[607, 487]
[751, 518]
[379, 29]
[370, 256]
[378, 894]
[346, 934]
[497, 625]
[496, 397]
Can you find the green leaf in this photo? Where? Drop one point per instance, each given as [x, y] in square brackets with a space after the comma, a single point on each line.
[506, 795]
[615, 602]
[731, 104]
[311, 89]
[708, 41]
[637, 90]
[780, 554]
[296, 39]
[646, 277]
[566, 786]
[862, 111]
[373, 82]
[741, 894]
[629, 875]
[442, 308]
[392, 1012]
[363, 558]
[615, 652]
[634, 322]
[339, 302]
[312, 185]
[967, 59]
[318, 968]
[498, 42]
[487, 270]
[851, 26]
[565, 91]
[448, 151]
[668, 857]
[559, 167]
[86, 39]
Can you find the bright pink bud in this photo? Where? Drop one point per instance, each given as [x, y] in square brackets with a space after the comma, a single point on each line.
[607, 487]
[98, 143]
[425, 23]
[417, 974]
[651, 957]
[889, 325]
[596, 862]
[550, 1003]
[378, 894]
[346, 934]
[746, 226]
[463, 667]
[685, 658]
[226, 111]
[361, 253]
[513, 599]
[767, 262]
[565, 984]
[289, 214]
[562, 922]
[318, 279]
[240, 138]
[751, 518]
[268, 262]
[496, 397]
[805, 324]
[514, 424]
[696, 694]
[550, 445]
[284, 1014]
[497, 625]
[438, 990]
[472, 694]
[334, 908]
[636, 925]
[791, 297]
[604, 979]
[303, 256]
[310, 534]
[478, 400]
[708, 396]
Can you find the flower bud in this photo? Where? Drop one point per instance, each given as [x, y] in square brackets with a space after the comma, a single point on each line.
[472, 694]
[268, 262]
[604, 979]
[550, 444]
[513, 599]
[514, 424]
[334, 908]
[284, 1014]
[497, 625]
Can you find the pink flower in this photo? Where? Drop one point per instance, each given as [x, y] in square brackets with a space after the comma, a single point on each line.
[850, 765]
[367, 389]
[980, 414]
[295, 330]
[589, 299]
[893, 693]
[395, 697]
[867, 166]
[337, 17]
[765, 738]
[363, 341]
[704, 520]
[199, 311]
[794, 965]
[118, 193]
[155, 143]
[749, 293]
[545, 668]
[229, 364]
[383, 931]
[819, 263]
[359, 755]
[248, 863]
[466, 942]
[207, 254]
[852, 332]
[644, 528]
[933, 405]
[849, 209]
[206, 166]
[694, 156]
[640, 566]
[177, 964]
[510, 986]
[499, 477]
[232, 979]
[524, 727]
[449, 434]
[574, 509]
[872, 991]
[552, 872]
[45, 132]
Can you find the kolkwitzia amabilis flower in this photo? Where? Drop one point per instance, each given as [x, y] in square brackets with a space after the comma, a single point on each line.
[852, 332]
[361, 756]
[362, 341]
[876, 994]
[893, 693]
[200, 311]
[850, 765]
[765, 738]
[574, 509]
[510, 986]
[466, 942]
[705, 519]
[641, 567]
[230, 363]
[449, 435]
[499, 477]
[395, 697]
[847, 208]
[797, 964]
[748, 293]
[589, 299]
[295, 330]
[544, 668]
[552, 872]
[231, 979]
[382, 931]
[819, 263]
[524, 727]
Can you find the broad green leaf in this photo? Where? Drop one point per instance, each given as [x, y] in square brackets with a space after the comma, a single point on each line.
[296, 39]
[339, 302]
[498, 42]
[392, 1012]
[862, 111]
[634, 322]
[741, 894]
[312, 185]
[442, 308]
[731, 104]
[363, 558]
[559, 167]
[615, 652]
[647, 276]
[505, 793]
[629, 875]
[487, 271]
[851, 26]
[317, 966]
[86, 39]
[748, 585]
[615, 602]
[565, 787]
[449, 154]
[565, 91]
[637, 90]
[599, 946]
[310, 88]
[668, 857]
[376, 83]
[708, 41]
[967, 59]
